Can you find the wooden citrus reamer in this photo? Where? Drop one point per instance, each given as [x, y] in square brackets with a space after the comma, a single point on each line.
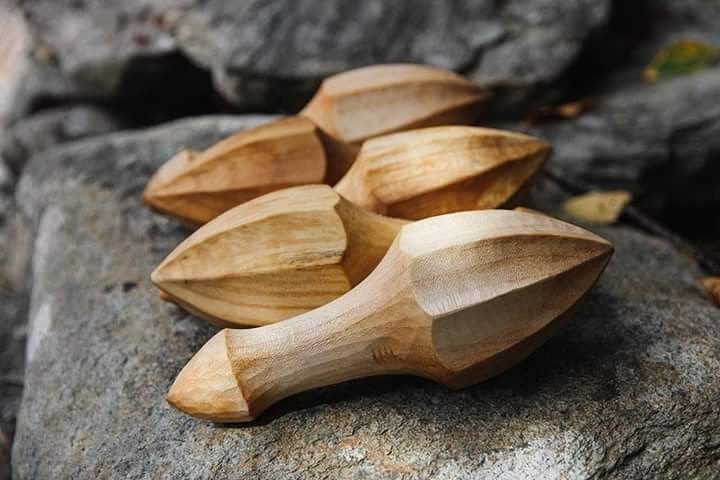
[316, 146]
[458, 299]
[296, 249]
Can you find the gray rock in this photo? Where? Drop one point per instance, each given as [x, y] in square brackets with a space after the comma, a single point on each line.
[265, 53]
[13, 312]
[655, 140]
[93, 42]
[27, 137]
[658, 23]
[121, 52]
[13, 315]
[261, 49]
[658, 140]
[629, 390]
[38, 132]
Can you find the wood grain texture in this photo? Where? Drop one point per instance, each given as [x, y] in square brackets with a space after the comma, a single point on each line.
[196, 187]
[432, 171]
[376, 100]
[318, 146]
[276, 256]
[317, 245]
[458, 298]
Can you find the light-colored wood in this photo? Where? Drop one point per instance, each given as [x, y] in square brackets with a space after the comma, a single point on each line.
[413, 174]
[275, 257]
[197, 187]
[376, 100]
[348, 108]
[432, 171]
[458, 298]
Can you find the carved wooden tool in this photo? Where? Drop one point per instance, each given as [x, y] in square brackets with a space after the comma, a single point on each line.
[316, 147]
[296, 249]
[458, 299]
[432, 171]
[275, 257]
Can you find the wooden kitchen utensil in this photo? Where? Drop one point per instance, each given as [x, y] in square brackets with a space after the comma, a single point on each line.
[319, 145]
[275, 257]
[432, 171]
[458, 298]
[296, 249]
[196, 187]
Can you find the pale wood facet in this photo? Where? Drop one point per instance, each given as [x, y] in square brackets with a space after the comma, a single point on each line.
[457, 299]
[438, 170]
[349, 108]
[364, 103]
[276, 256]
[197, 187]
[314, 244]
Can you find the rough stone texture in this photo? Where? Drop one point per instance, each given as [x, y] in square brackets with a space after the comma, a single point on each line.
[93, 42]
[38, 132]
[119, 52]
[262, 47]
[13, 312]
[25, 138]
[629, 390]
[274, 53]
[13, 315]
[652, 139]
[653, 24]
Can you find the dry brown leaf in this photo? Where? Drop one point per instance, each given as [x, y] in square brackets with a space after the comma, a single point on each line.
[711, 285]
[560, 112]
[598, 207]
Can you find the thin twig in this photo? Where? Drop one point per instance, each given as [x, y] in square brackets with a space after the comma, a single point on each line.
[636, 216]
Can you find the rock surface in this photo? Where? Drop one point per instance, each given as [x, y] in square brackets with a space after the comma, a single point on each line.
[264, 48]
[118, 52]
[653, 139]
[25, 138]
[35, 133]
[629, 390]
[274, 53]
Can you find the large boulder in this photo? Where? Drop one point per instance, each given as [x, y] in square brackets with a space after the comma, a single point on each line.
[118, 52]
[13, 318]
[25, 138]
[265, 48]
[660, 141]
[629, 390]
[265, 54]
[35, 133]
